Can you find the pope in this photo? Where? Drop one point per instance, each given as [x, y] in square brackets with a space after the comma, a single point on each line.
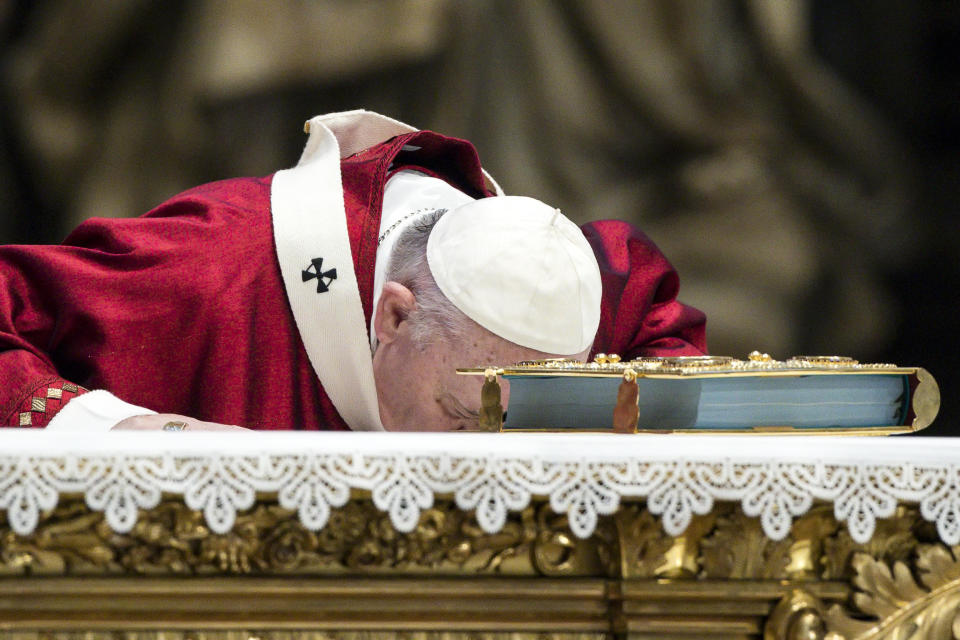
[340, 294]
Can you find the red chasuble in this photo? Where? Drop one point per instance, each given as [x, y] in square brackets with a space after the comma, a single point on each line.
[183, 310]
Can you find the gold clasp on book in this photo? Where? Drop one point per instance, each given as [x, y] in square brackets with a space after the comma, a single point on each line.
[491, 410]
[626, 414]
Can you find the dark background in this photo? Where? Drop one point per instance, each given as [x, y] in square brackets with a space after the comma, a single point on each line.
[797, 161]
[903, 57]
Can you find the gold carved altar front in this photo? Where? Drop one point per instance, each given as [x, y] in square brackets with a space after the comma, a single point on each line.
[270, 578]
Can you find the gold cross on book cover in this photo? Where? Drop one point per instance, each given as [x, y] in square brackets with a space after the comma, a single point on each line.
[709, 394]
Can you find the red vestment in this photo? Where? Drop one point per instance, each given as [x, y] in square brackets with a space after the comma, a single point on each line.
[183, 310]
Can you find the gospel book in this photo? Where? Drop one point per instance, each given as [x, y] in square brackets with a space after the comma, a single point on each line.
[711, 394]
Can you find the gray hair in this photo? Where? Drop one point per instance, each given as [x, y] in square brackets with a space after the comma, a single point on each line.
[435, 318]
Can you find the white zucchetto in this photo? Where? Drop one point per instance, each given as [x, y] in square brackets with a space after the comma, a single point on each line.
[520, 269]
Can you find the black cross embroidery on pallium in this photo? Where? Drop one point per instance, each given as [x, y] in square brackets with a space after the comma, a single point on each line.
[324, 278]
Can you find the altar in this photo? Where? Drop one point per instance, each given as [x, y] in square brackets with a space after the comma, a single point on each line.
[262, 536]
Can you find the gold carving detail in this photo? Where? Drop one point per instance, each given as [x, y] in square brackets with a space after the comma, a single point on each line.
[916, 601]
[807, 538]
[724, 544]
[643, 543]
[737, 548]
[902, 584]
[894, 539]
[903, 590]
[798, 616]
[298, 635]
[172, 539]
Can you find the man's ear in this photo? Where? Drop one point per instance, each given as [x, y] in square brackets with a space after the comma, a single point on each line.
[395, 304]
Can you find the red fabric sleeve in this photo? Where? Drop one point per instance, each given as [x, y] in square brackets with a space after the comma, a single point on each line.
[182, 310]
[31, 389]
[639, 314]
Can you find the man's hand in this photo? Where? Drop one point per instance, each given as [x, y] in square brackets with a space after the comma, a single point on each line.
[156, 423]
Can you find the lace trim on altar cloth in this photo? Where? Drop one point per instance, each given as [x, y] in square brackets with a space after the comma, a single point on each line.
[775, 479]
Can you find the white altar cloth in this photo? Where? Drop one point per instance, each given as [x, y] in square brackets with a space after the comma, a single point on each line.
[777, 478]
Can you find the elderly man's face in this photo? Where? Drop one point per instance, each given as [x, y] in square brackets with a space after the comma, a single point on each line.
[418, 388]
[424, 393]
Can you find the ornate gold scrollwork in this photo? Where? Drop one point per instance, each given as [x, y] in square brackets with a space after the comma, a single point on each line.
[798, 616]
[917, 601]
[172, 539]
[806, 543]
[557, 552]
[894, 539]
[737, 548]
[643, 543]
[904, 584]
[259, 634]
[648, 552]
